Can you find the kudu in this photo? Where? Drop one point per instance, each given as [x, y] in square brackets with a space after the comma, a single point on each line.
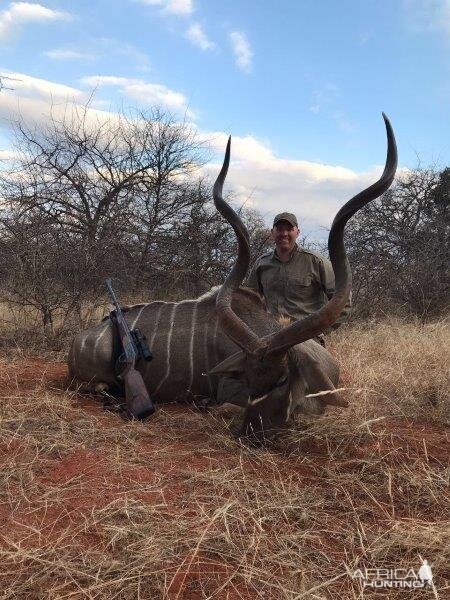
[228, 333]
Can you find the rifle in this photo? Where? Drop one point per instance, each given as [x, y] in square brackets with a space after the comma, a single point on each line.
[138, 401]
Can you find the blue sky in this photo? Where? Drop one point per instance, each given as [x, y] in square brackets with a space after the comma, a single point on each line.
[300, 85]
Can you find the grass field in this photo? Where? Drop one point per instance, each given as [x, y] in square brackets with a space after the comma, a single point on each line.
[95, 506]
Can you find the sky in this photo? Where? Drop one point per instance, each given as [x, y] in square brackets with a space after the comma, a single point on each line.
[299, 85]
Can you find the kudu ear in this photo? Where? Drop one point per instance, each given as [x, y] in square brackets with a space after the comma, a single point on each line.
[232, 364]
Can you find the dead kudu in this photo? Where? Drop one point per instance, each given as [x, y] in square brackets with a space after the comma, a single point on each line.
[228, 333]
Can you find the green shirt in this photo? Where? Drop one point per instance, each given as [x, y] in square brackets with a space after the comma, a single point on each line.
[295, 288]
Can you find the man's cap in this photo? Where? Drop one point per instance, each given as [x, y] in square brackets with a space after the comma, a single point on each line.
[289, 217]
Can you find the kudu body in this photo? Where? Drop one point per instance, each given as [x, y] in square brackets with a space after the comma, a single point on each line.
[227, 332]
[187, 343]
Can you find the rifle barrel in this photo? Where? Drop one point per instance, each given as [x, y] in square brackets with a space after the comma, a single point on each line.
[112, 293]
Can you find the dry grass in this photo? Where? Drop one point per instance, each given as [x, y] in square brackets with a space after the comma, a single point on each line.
[400, 367]
[93, 506]
[21, 328]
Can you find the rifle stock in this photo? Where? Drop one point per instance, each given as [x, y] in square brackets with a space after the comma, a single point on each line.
[138, 401]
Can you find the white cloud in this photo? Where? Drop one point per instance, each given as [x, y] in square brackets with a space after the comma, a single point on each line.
[103, 47]
[180, 7]
[19, 13]
[34, 102]
[34, 98]
[242, 50]
[25, 86]
[175, 7]
[324, 97]
[311, 190]
[428, 15]
[140, 60]
[8, 155]
[325, 100]
[199, 38]
[67, 54]
[343, 122]
[147, 93]
[365, 36]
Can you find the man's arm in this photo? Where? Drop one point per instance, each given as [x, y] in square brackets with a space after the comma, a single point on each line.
[328, 286]
[253, 280]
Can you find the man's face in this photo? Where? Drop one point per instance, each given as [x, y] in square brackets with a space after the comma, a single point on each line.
[284, 235]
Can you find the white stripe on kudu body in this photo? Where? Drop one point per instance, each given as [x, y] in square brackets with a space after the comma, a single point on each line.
[83, 342]
[155, 330]
[97, 341]
[191, 346]
[216, 324]
[206, 359]
[138, 316]
[205, 346]
[154, 334]
[169, 337]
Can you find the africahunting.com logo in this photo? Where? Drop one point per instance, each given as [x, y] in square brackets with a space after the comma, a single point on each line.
[396, 577]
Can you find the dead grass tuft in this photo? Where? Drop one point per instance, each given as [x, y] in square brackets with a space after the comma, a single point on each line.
[94, 506]
[398, 368]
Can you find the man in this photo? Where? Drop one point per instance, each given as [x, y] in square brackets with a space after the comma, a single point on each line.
[295, 282]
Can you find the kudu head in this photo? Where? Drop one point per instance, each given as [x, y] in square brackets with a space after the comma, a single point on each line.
[262, 362]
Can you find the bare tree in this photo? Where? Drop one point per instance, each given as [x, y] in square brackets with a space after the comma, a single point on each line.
[32, 272]
[86, 199]
[112, 187]
[202, 247]
[399, 247]
[86, 175]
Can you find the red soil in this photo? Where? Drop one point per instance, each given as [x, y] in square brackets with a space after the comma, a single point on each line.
[89, 479]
